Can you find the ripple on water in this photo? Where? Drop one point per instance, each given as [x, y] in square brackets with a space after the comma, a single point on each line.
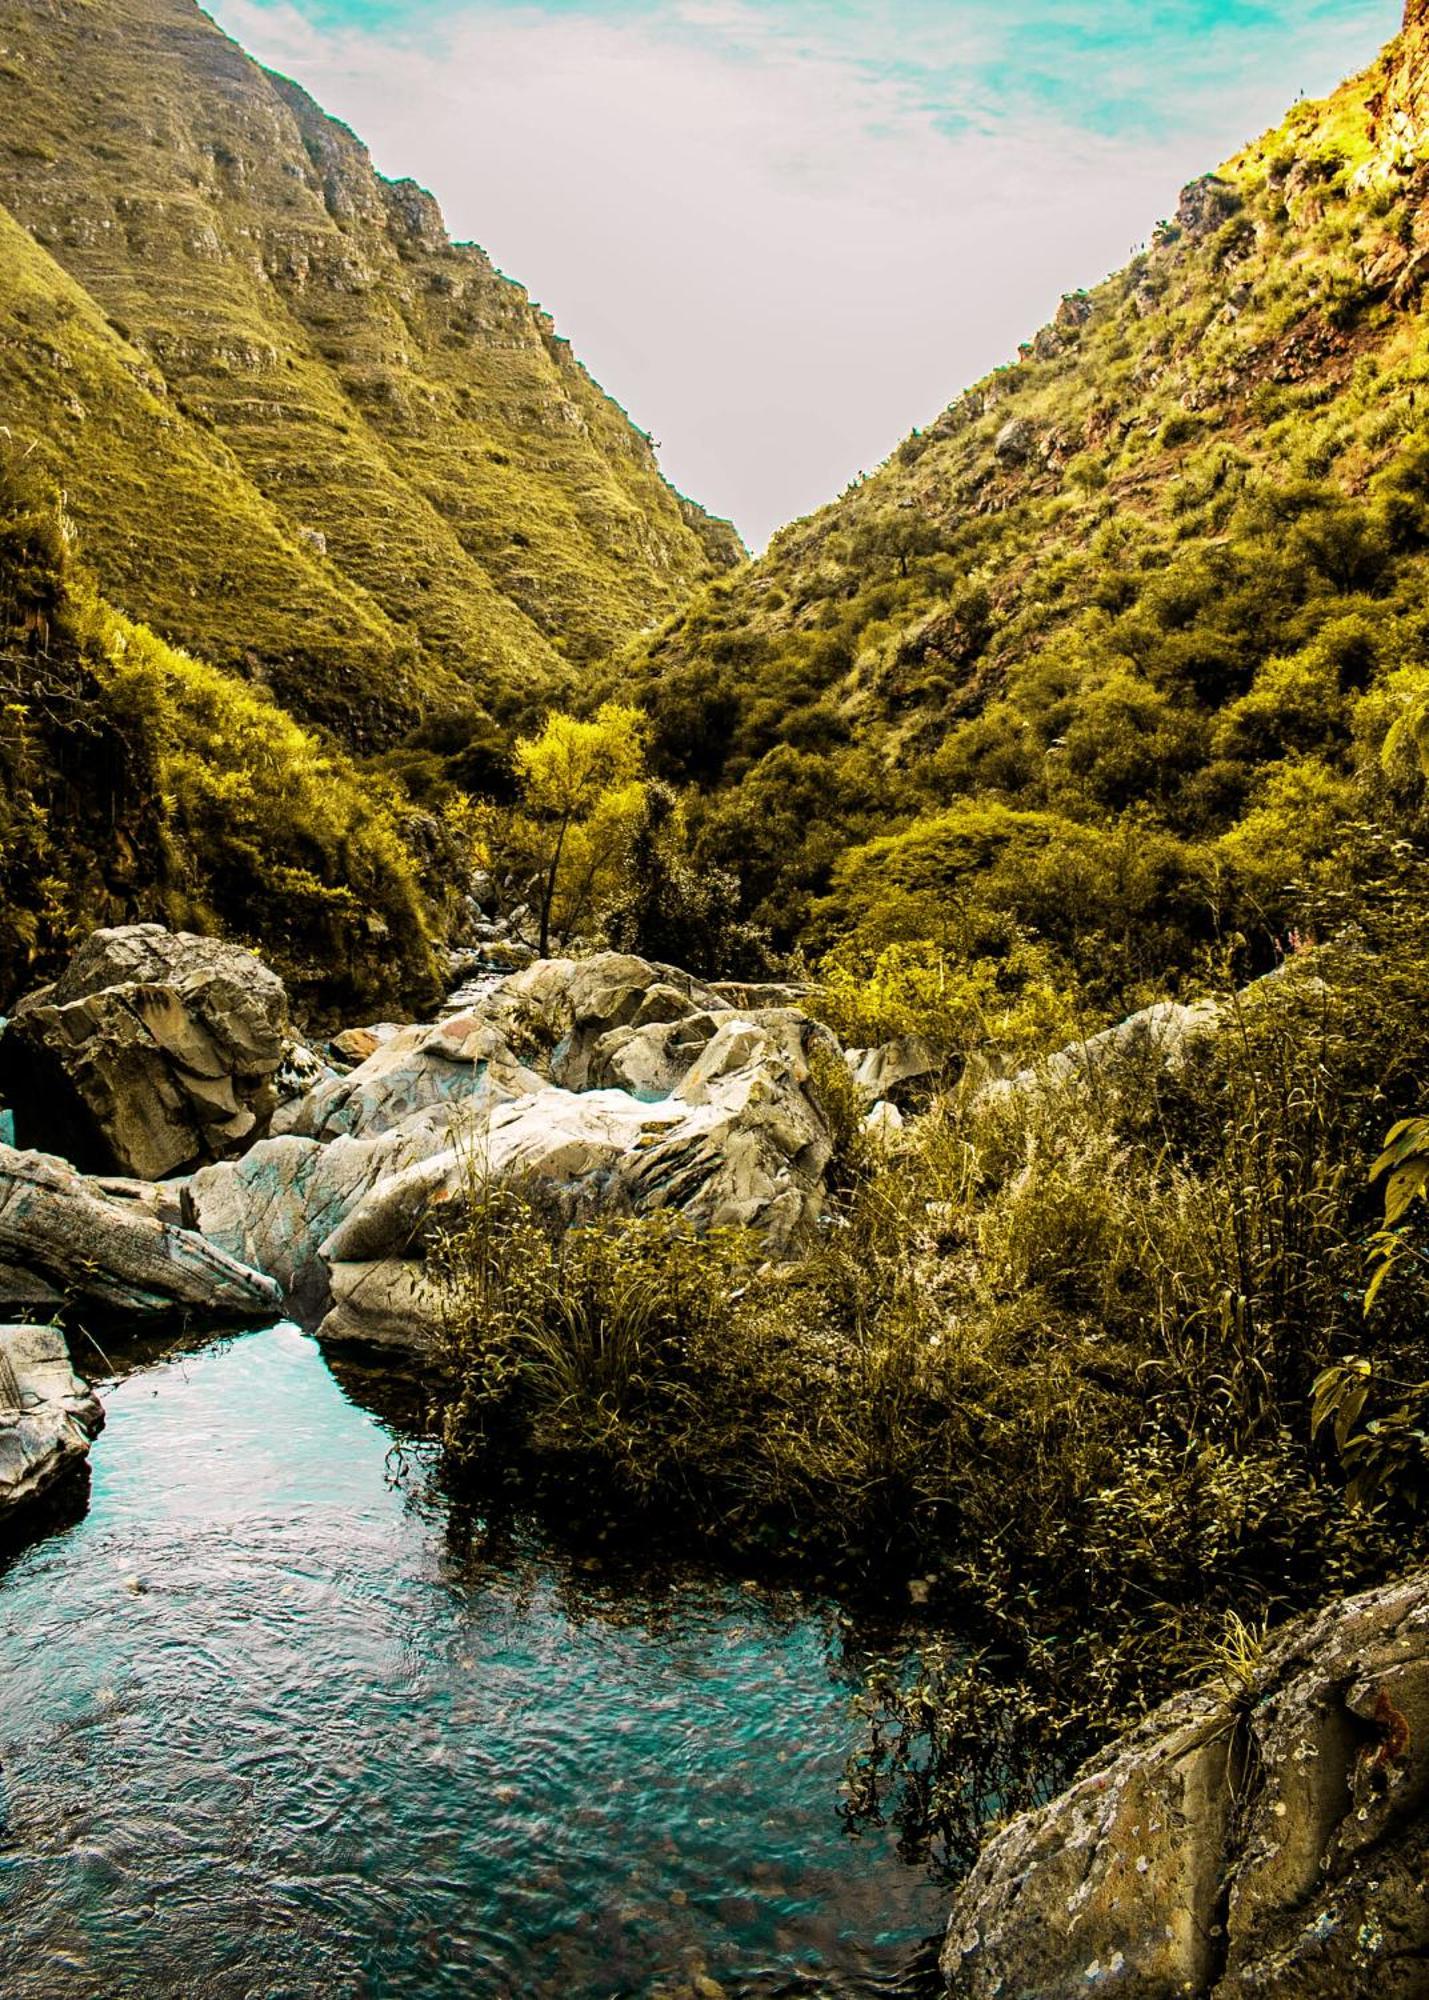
[263, 1737]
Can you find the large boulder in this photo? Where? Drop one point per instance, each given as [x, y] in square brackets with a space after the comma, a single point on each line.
[153, 1051]
[66, 1241]
[47, 1415]
[274, 1208]
[739, 1142]
[1266, 1839]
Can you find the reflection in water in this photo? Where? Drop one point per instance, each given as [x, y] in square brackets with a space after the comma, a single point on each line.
[264, 1735]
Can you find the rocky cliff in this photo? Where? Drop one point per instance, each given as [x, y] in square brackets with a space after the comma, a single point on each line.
[299, 430]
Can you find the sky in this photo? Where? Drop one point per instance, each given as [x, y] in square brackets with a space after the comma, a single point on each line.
[783, 234]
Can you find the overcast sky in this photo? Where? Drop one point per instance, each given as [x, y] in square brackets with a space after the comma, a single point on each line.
[783, 234]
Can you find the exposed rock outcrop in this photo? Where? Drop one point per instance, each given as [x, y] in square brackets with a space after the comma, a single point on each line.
[1270, 1840]
[69, 1241]
[47, 1414]
[1161, 1037]
[1399, 109]
[605, 1085]
[153, 1050]
[888, 1070]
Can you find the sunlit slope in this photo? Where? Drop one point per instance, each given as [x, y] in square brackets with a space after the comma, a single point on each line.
[385, 402]
[182, 533]
[1052, 599]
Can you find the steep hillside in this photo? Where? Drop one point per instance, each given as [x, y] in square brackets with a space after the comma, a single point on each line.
[298, 429]
[1102, 661]
[139, 782]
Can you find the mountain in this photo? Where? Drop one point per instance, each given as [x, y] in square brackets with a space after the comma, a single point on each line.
[298, 430]
[1095, 674]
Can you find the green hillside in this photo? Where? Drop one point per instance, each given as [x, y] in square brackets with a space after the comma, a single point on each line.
[298, 430]
[139, 782]
[1094, 675]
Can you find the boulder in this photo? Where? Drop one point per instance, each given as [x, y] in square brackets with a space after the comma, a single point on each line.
[559, 1010]
[47, 1414]
[1164, 1039]
[65, 1240]
[1161, 1039]
[416, 1070]
[274, 1207]
[739, 1142]
[649, 1061]
[538, 1026]
[885, 1071]
[355, 1045]
[1205, 204]
[1015, 442]
[153, 1050]
[1268, 1839]
[883, 1124]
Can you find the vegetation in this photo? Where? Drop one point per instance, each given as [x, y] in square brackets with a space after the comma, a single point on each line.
[1083, 686]
[1049, 1379]
[1111, 685]
[139, 782]
[1108, 686]
[301, 434]
[582, 799]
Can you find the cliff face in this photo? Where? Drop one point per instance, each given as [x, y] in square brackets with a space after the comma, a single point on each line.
[298, 428]
[1399, 109]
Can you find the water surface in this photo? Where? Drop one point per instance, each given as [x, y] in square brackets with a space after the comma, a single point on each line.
[267, 1733]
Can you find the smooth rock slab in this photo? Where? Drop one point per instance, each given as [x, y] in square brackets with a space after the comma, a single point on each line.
[47, 1414]
[90, 1246]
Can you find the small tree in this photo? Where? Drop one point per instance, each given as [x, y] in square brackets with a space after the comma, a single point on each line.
[582, 795]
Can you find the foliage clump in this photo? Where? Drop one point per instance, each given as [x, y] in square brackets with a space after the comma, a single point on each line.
[1048, 1375]
[141, 783]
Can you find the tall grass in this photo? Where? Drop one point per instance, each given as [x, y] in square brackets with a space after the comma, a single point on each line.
[1045, 1380]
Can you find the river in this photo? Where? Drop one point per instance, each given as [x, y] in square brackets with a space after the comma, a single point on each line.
[270, 1730]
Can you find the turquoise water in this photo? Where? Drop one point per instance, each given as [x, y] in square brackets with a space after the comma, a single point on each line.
[267, 1732]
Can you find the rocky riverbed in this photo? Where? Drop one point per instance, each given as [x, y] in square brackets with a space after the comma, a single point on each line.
[186, 1158]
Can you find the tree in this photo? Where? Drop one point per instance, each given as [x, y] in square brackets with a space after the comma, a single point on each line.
[677, 909]
[582, 795]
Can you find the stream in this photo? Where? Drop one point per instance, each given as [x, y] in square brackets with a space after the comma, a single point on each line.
[269, 1730]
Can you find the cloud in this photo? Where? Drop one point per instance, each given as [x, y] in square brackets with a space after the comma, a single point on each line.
[784, 234]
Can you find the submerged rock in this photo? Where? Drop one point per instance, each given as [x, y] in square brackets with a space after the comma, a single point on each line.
[153, 1050]
[47, 1414]
[69, 1241]
[1270, 1840]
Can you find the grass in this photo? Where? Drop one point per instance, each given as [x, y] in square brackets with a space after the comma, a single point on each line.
[354, 459]
[1046, 1382]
